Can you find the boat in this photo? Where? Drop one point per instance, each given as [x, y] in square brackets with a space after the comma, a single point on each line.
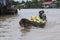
[33, 21]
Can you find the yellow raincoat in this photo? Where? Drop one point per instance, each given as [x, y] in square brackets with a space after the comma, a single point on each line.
[36, 19]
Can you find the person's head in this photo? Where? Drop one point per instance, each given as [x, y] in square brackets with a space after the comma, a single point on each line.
[41, 12]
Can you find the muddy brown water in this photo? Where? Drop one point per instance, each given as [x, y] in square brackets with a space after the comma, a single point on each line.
[11, 30]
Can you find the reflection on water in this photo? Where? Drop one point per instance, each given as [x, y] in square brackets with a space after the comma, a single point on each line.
[9, 27]
[25, 31]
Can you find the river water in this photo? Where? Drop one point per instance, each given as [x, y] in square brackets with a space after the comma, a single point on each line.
[11, 30]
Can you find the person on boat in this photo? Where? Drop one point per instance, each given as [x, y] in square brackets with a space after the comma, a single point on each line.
[41, 18]
[42, 15]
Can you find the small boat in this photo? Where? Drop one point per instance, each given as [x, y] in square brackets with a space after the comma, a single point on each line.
[27, 22]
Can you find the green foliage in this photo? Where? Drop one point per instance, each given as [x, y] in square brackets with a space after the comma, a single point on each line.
[33, 4]
[15, 2]
[58, 3]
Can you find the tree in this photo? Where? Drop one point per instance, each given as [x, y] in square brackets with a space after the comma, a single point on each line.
[23, 1]
[48, 0]
[58, 3]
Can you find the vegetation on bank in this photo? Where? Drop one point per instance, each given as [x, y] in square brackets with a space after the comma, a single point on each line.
[16, 3]
[32, 4]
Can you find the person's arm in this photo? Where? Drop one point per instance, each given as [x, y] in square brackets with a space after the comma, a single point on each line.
[44, 17]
